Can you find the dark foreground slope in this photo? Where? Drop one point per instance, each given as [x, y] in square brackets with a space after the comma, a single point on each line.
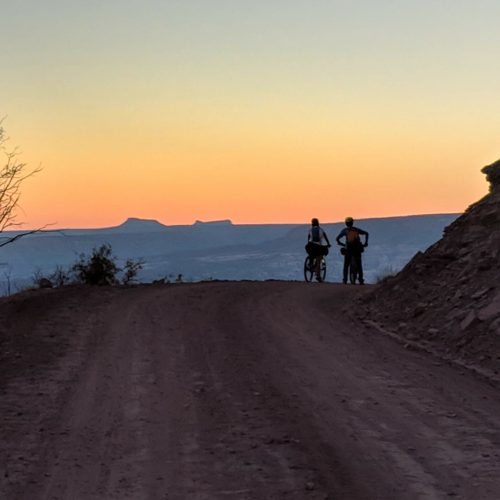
[242, 391]
[449, 296]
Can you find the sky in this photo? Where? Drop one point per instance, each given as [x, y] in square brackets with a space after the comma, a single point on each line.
[259, 112]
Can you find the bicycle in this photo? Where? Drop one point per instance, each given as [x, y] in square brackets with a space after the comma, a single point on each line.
[310, 268]
[353, 271]
[353, 268]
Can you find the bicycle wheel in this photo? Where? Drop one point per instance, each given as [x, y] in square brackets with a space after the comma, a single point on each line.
[353, 271]
[323, 269]
[308, 269]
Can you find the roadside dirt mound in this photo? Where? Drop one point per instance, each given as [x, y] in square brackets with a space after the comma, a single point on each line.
[448, 298]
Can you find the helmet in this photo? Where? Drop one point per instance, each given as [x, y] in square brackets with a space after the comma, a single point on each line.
[349, 221]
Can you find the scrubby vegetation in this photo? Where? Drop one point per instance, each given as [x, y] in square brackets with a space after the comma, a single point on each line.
[100, 268]
[385, 274]
[130, 270]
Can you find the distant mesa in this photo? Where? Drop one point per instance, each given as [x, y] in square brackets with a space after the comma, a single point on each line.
[134, 224]
[225, 222]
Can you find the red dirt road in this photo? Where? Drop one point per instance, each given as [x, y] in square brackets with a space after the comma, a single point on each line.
[231, 391]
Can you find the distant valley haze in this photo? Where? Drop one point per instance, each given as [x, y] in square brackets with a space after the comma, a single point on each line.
[217, 250]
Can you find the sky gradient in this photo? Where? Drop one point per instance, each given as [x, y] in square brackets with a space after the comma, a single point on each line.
[259, 112]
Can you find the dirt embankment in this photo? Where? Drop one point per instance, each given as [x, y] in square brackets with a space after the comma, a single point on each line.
[231, 390]
[447, 299]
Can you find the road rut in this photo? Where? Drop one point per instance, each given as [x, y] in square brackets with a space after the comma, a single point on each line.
[232, 390]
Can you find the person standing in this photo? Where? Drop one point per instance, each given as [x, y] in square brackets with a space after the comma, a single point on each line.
[353, 248]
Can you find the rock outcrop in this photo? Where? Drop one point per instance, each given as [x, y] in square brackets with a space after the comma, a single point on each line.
[493, 175]
[448, 297]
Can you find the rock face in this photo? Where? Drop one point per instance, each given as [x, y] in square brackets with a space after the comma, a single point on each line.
[493, 175]
[449, 296]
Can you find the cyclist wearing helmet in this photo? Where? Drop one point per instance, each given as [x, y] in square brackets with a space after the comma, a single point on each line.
[315, 246]
[353, 248]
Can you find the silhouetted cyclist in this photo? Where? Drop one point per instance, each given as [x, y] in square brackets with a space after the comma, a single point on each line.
[315, 246]
[353, 248]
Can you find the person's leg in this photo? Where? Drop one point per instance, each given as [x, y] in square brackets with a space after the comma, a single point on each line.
[317, 267]
[360, 268]
[347, 262]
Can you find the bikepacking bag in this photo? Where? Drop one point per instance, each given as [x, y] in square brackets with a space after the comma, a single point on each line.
[353, 240]
[352, 236]
[315, 250]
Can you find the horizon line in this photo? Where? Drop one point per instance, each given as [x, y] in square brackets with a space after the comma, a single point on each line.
[219, 221]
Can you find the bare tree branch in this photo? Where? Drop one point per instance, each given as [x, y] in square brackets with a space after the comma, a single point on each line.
[12, 176]
[27, 233]
[18, 236]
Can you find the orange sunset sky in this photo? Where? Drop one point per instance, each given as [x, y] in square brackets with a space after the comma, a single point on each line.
[259, 112]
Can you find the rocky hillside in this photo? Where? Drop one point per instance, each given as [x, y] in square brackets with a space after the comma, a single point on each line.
[448, 298]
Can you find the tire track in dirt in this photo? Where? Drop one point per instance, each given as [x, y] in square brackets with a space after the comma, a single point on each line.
[240, 390]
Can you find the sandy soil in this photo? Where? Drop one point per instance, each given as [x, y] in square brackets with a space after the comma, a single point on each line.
[231, 390]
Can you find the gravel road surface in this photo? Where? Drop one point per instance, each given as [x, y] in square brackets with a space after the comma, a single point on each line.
[238, 390]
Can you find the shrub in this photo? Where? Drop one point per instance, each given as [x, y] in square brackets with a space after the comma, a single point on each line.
[132, 267]
[60, 276]
[98, 269]
[386, 274]
[37, 277]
